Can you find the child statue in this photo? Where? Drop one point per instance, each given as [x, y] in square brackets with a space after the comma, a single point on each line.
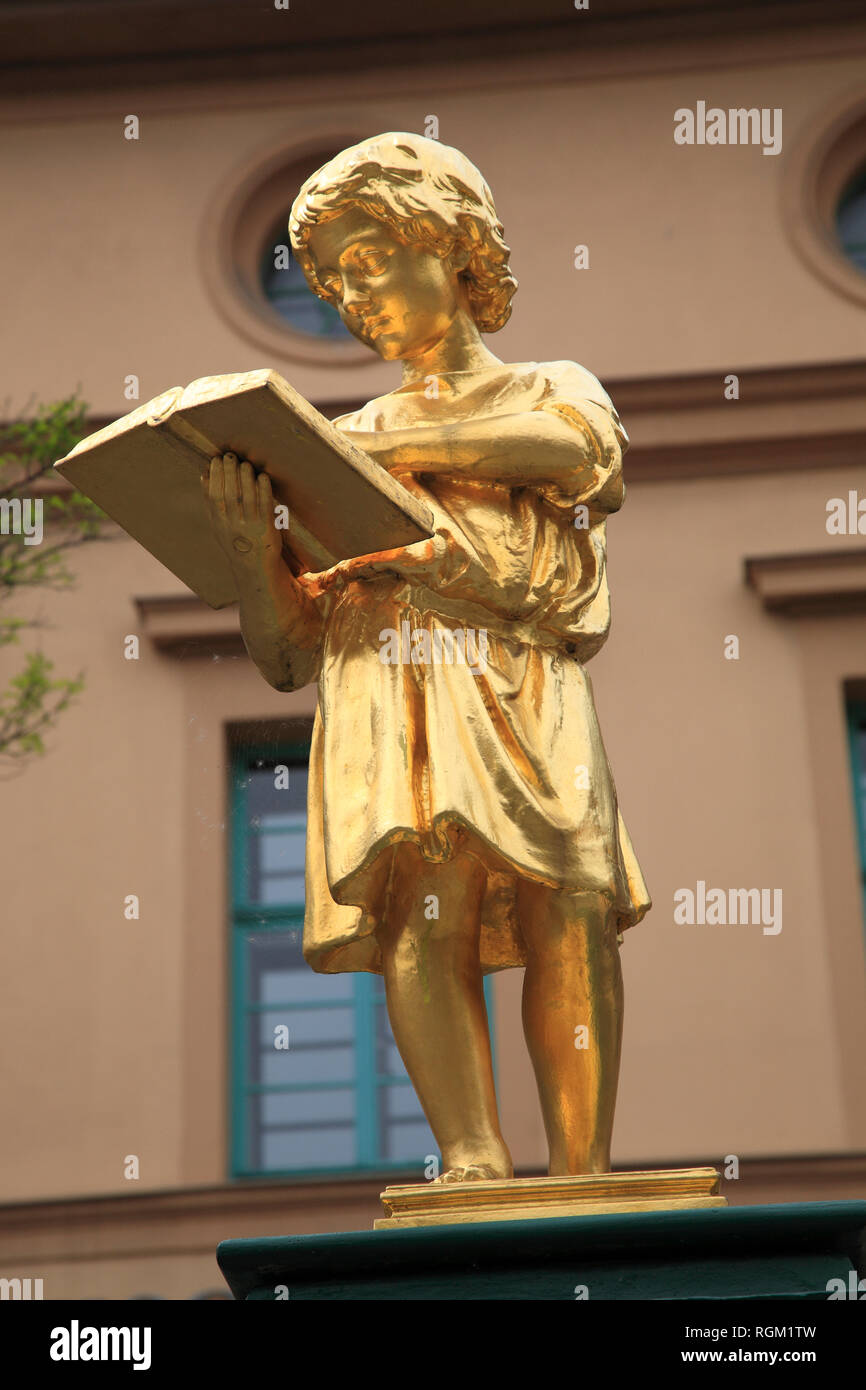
[462, 814]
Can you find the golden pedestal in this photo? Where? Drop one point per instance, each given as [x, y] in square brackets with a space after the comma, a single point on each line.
[525, 1199]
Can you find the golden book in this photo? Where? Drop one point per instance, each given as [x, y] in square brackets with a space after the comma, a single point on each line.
[145, 470]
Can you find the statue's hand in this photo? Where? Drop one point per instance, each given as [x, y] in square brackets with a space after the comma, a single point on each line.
[241, 508]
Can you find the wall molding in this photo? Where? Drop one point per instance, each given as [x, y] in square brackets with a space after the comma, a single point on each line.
[182, 1220]
[811, 584]
[787, 419]
[154, 43]
[183, 625]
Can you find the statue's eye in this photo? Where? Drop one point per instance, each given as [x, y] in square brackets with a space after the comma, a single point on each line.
[372, 262]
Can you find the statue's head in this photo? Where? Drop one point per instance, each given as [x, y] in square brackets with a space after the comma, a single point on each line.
[400, 233]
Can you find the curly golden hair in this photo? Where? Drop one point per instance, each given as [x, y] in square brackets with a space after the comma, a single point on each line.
[427, 194]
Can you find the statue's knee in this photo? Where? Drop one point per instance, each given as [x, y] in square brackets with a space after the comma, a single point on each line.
[569, 920]
[429, 942]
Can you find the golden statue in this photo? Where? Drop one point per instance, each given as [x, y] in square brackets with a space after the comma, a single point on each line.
[462, 813]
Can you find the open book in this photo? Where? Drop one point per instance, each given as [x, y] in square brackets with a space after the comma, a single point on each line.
[144, 470]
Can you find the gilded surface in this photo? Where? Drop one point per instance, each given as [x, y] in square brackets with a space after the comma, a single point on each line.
[462, 813]
[526, 1199]
[504, 746]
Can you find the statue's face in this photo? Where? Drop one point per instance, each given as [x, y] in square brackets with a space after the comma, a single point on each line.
[398, 299]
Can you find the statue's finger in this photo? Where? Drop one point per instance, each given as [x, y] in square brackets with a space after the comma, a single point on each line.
[248, 491]
[231, 487]
[264, 497]
[216, 486]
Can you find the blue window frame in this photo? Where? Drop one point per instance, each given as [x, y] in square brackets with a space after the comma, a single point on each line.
[336, 1098]
[857, 745]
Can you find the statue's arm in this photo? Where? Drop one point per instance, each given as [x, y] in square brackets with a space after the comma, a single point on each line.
[572, 445]
[282, 624]
[282, 627]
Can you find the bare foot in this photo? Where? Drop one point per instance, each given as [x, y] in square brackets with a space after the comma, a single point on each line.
[473, 1172]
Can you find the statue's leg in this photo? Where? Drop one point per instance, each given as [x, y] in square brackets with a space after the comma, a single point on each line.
[433, 983]
[572, 1017]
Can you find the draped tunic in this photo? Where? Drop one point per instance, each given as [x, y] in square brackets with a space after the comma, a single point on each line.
[454, 708]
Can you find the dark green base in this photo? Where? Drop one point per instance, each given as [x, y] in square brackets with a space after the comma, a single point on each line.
[789, 1252]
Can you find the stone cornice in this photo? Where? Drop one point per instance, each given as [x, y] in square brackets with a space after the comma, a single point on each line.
[759, 386]
[786, 418]
[50, 48]
[184, 625]
[811, 584]
[168, 1221]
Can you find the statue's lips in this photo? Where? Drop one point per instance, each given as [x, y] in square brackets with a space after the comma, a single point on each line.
[376, 324]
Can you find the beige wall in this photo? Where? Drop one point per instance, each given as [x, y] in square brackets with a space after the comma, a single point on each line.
[731, 772]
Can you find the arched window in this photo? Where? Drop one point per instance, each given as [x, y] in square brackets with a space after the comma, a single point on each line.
[253, 278]
[286, 289]
[851, 220]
